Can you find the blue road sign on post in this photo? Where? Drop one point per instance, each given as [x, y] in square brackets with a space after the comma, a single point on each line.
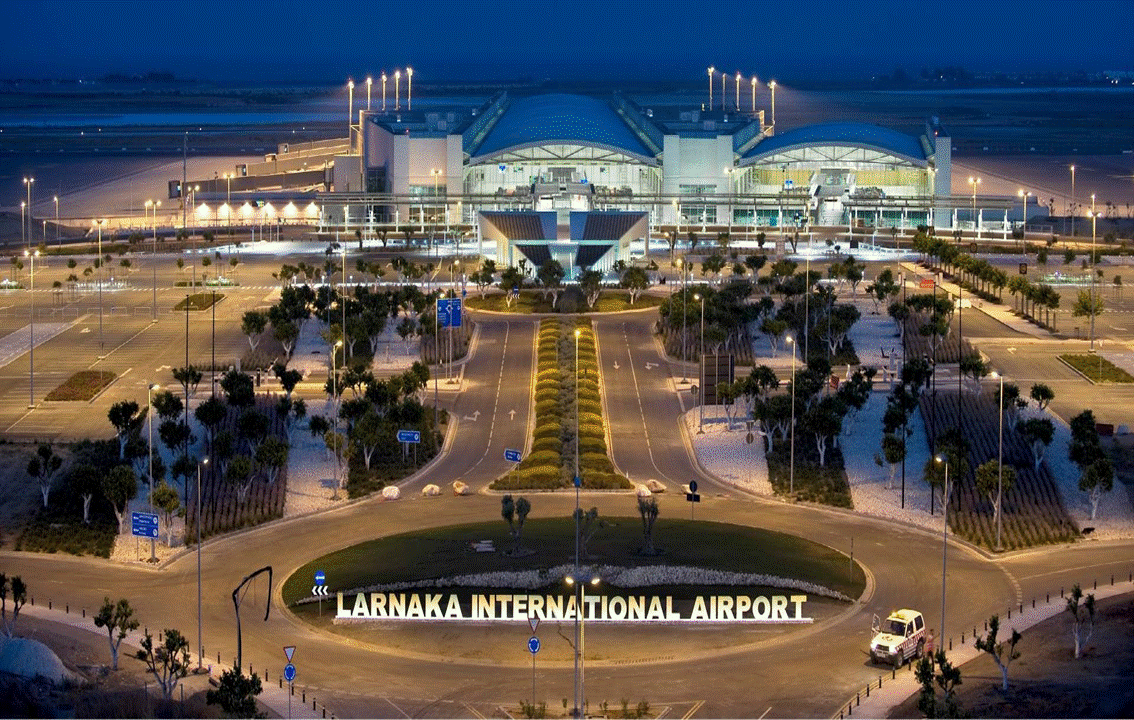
[409, 436]
[512, 455]
[144, 525]
[533, 645]
[449, 312]
[289, 673]
[320, 577]
[578, 481]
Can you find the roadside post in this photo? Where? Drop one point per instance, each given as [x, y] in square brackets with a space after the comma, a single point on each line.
[289, 675]
[409, 437]
[692, 497]
[143, 525]
[533, 648]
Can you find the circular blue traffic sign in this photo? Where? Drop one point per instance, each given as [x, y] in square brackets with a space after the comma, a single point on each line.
[692, 486]
[320, 577]
[289, 672]
[533, 644]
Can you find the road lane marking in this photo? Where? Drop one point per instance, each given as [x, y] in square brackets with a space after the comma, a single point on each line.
[472, 710]
[765, 713]
[696, 706]
[391, 702]
[496, 404]
[641, 410]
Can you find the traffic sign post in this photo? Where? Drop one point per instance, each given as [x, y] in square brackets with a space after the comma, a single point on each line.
[407, 438]
[319, 590]
[512, 455]
[143, 525]
[289, 675]
[449, 312]
[533, 648]
[692, 497]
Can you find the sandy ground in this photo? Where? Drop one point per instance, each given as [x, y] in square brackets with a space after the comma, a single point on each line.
[1047, 681]
[725, 453]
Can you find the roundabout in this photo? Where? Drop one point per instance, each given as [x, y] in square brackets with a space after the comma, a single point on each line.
[714, 588]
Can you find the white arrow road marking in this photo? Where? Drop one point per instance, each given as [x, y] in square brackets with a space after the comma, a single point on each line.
[1012, 350]
[473, 417]
[651, 366]
[615, 364]
[511, 414]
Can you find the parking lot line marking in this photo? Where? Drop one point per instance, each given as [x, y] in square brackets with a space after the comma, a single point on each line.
[696, 706]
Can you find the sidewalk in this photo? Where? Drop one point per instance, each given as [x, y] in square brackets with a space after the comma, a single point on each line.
[274, 697]
[884, 694]
[996, 312]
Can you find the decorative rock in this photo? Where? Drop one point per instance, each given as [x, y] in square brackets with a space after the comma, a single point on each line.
[460, 488]
[430, 490]
[655, 485]
[642, 491]
[391, 492]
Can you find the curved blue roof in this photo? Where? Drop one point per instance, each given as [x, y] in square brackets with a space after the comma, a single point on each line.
[561, 118]
[861, 135]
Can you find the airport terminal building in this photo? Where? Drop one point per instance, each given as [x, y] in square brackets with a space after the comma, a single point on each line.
[445, 172]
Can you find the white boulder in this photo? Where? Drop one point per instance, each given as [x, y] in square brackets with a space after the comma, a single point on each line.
[655, 485]
[391, 492]
[430, 490]
[460, 488]
[642, 491]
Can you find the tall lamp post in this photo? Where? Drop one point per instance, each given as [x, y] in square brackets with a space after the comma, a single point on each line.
[578, 583]
[369, 83]
[791, 456]
[23, 223]
[397, 89]
[1094, 272]
[384, 91]
[684, 303]
[772, 87]
[578, 483]
[1024, 195]
[1072, 213]
[409, 88]
[200, 637]
[56, 199]
[976, 221]
[1000, 461]
[944, 539]
[335, 408]
[701, 367]
[711, 71]
[155, 204]
[753, 96]
[350, 108]
[28, 182]
[31, 331]
[738, 91]
[101, 346]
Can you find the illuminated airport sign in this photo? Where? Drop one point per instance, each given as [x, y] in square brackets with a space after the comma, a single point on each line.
[522, 607]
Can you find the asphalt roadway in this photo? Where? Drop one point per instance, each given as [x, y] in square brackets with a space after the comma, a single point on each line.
[808, 671]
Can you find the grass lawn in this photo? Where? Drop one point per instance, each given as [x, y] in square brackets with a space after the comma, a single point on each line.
[83, 385]
[199, 301]
[444, 552]
[533, 301]
[1097, 368]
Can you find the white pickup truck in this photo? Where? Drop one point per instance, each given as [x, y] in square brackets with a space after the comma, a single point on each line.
[899, 638]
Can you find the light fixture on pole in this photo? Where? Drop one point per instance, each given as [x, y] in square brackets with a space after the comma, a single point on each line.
[753, 96]
[98, 266]
[383, 91]
[200, 637]
[369, 83]
[23, 224]
[409, 88]
[580, 636]
[738, 91]
[1072, 213]
[1024, 195]
[772, 87]
[578, 481]
[31, 331]
[350, 109]
[976, 221]
[335, 407]
[56, 199]
[711, 71]
[944, 537]
[155, 204]
[397, 89]
[1094, 273]
[791, 456]
[724, 80]
[28, 182]
[684, 313]
[701, 367]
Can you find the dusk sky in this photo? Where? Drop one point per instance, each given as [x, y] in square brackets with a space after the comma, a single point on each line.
[500, 39]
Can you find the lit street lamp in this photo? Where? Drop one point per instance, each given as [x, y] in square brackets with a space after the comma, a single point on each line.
[397, 89]
[1024, 195]
[684, 303]
[944, 539]
[1072, 213]
[711, 71]
[150, 449]
[31, 331]
[580, 638]
[155, 204]
[791, 461]
[738, 91]
[28, 182]
[976, 221]
[98, 266]
[409, 88]
[753, 96]
[383, 91]
[772, 87]
[23, 224]
[369, 83]
[1094, 272]
[350, 108]
[578, 484]
[701, 367]
[56, 199]
[335, 407]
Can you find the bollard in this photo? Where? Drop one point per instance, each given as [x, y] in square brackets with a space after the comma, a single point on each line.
[868, 690]
[1096, 584]
[85, 610]
[304, 697]
[1112, 579]
[312, 704]
[281, 683]
[986, 626]
[1009, 613]
[1060, 592]
[950, 644]
[894, 674]
[1021, 607]
[324, 712]
[1049, 598]
[962, 637]
[1033, 603]
[974, 633]
[857, 699]
[67, 608]
[33, 601]
[48, 604]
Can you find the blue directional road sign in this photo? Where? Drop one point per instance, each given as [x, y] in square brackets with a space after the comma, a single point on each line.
[578, 481]
[289, 672]
[533, 644]
[449, 312]
[144, 525]
[409, 436]
[512, 455]
[692, 495]
[320, 577]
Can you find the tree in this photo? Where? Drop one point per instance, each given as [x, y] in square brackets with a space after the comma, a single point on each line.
[238, 388]
[1097, 478]
[271, 456]
[1003, 653]
[85, 481]
[1086, 306]
[1083, 612]
[236, 694]
[120, 486]
[648, 510]
[167, 500]
[19, 592]
[211, 413]
[825, 420]
[288, 378]
[189, 377]
[589, 524]
[168, 662]
[116, 618]
[894, 452]
[550, 275]
[252, 325]
[511, 280]
[590, 282]
[286, 332]
[713, 264]
[43, 466]
[993, 481]
[883, 288]
[1043, 395]
[936, 670]
[636, 280]
[239, 473]
[523, 507]
[127, 420]
[1039, 432]
[252, 426]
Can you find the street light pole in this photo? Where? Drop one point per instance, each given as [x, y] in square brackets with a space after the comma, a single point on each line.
[578, 483]
[1072, 213]
[711, 71]
[1024, 226]
[369, 83]
[31, 332]
[791, 460]
[99, 264]
[1000, 464]
[56, 199]
[409, 88]
[944, 541]
[701, 369]
[397, 89]
[28, 182]
[976, 223]
[684, 312]
[1094, 273]
[772, 87]
[150, 450]
[200, 637]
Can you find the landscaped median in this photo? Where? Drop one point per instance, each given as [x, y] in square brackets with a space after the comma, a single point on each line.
[550, 464]
[1097, 369]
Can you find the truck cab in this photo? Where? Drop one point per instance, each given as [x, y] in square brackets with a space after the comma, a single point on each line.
[897, 639]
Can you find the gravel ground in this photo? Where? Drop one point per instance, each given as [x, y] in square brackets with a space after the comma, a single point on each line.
[725, 454]
[310, 470]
